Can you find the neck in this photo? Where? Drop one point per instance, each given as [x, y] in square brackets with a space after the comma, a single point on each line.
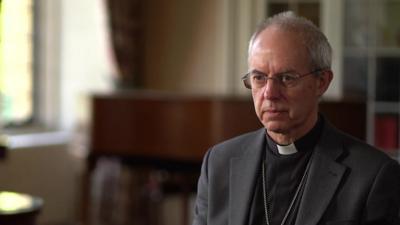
[281, 139]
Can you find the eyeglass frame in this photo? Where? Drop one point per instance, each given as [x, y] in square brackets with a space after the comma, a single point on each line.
[247, 84]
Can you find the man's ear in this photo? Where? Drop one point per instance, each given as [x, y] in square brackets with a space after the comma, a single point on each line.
[324, 79]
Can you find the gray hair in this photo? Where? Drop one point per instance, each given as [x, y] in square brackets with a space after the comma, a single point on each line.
[316, 43]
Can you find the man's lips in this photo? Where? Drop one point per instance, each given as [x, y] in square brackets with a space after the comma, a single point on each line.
[271, 113]
[275, 111]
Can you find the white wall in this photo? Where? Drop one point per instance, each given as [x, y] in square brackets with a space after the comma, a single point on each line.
[85, 58]
[74, 59]
[332, 14]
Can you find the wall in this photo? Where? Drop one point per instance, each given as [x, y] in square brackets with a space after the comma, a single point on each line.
[86, 63]
[184, 50]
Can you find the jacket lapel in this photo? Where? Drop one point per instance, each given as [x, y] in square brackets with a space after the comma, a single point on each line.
[324, 177]
[243, 176]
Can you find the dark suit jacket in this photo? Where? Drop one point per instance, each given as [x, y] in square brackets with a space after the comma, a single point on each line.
[349, 182]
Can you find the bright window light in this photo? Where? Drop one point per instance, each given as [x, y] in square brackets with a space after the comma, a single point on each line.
[16, 68]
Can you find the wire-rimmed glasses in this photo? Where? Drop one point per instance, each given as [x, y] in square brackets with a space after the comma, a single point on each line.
[256, 79]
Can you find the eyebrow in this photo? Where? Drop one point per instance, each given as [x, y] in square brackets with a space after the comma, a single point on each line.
[262, 73]
[258, 72]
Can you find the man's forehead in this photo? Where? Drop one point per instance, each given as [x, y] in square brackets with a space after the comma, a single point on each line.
[278, 48]
[276, 39]
[278, 35]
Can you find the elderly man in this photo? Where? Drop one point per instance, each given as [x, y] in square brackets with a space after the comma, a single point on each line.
[298, 169]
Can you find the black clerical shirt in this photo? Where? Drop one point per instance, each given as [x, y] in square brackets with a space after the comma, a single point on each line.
[284, 173]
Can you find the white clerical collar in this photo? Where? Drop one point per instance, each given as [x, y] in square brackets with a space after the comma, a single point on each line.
[287, 149]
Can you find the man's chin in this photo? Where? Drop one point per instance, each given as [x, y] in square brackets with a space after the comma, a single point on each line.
[276, 127]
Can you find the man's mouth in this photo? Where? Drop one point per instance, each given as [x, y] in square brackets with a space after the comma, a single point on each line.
[275, 112]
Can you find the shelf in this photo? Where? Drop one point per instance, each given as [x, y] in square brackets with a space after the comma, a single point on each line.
[388, 51]
[387, 131]
[387, 107]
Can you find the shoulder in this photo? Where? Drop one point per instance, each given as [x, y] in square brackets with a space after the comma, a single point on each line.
[364, 151]
[360, 155]
[352, 152]
[245, 144]
[240, 144]
[245, 138]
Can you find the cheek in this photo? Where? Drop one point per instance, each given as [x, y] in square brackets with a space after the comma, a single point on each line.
[302, 100]
[257, 101]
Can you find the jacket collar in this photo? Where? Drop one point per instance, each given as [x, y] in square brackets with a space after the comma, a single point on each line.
[243, 176]
[324, 177]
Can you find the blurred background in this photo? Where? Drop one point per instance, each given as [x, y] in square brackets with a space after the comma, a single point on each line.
[107, 106]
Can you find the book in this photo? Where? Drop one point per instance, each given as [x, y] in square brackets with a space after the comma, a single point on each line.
[387, 131]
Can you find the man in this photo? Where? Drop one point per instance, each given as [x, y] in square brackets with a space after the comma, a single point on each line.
[298, 169]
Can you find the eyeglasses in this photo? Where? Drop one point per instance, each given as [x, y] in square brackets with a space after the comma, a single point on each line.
[257, 80]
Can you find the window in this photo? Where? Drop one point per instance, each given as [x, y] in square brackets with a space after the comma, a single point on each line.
[16, 62]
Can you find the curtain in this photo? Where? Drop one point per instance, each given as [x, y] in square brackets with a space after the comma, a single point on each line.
[126, 27]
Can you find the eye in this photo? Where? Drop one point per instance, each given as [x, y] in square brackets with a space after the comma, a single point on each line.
[258, 77]
[287, 78]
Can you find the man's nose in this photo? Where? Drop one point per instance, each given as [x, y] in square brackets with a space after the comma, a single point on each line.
[272, 89]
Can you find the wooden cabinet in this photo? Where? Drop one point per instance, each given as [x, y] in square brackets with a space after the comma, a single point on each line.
[165, 126]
